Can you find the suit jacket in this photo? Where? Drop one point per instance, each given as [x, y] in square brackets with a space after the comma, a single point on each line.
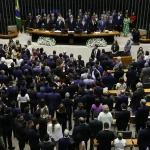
[108, 101]
[92, 26]
[47, 145]
[49, 24]
[82, 132]
[4, 67]
[140, 65]
[102, 25]
[108, 81]
[118, 74]
[105, 64]
[71, 25]
[123, 119]
[79, 99]
[79, 113]
[110, 25]
[144, 138]
[145, 74]
[104, 138]
[60, 26]
[4, 79]
[54, 100]
[131, 76]
[65, 143]
[137, 96]
[83, 27]
[119, 22]
[95, 126]
[141, 115]
[72, 89]
[95, 54]
[119, 100]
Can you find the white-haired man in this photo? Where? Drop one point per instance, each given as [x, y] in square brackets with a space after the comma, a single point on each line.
[141, 115]
[137, 96]
[65, 143]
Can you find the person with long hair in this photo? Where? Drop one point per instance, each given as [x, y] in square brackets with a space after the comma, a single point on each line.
[126, 23]
[105, 116]
[23, 99]
[55, 131]
[119, 143]
[121, 85]
[115, 47]
[140, 53]
[62, 116]
[43, 108]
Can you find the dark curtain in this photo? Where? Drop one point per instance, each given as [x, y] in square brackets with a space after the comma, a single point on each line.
[140, 7]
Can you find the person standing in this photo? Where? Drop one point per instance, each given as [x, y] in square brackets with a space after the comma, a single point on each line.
[105, 137]
[127, 48]
[6, 122]
[133, 20]
[126, 22]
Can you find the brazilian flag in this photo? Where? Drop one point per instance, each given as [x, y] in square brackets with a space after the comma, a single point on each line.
[18, 16]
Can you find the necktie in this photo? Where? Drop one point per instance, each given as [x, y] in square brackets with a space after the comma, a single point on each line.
[102, 22]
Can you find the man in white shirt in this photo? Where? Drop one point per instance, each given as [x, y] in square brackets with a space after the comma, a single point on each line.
[30, 47]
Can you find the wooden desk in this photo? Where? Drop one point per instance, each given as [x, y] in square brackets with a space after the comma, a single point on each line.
[148, 104]
[126, 60]
[109, 37]
[134, 142]
[12, 34]
[113, 92]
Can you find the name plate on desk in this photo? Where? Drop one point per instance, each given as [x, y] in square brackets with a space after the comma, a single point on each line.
[57, 31]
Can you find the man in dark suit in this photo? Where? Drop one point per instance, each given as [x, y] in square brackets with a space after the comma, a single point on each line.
[92, 25]
[6, 122]
[29, 21]
[137, 96]
[105, 63]
[110, 24]
[123, 118]
[65, 143]
[141, 115]
[95, 126]
[82, 132]
[19, 126]
[48, 23]
[71, 23]
[68, 103]
[54, 100]
[3, 78]
[46, 144]
[79, 112]
[60, 24]
[118, 74]
[41, 95]
[53, 21]
[95, 52]
[140, 64]
[122, 98]
[102, 24]
[83, 25]
[4, 67]
[108, 80]
[144, 137]
[32, 135]
[119, 22]
[145, 73]
[105, 137]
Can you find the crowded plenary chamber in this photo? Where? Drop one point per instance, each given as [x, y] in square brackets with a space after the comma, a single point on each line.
[75, 75]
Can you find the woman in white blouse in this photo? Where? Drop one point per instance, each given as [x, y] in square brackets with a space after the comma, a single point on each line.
[119, 143]
[43, 108]
[19, 60]
[121, 86]
[55, 131]
[23, 99]
[105, 116]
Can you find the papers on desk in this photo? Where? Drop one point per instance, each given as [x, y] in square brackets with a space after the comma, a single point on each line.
[57, 31]
[96, 32]
[105, 90]
[46, 31]
[70, 31]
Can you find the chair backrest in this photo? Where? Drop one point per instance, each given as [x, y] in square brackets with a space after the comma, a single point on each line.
[147, 98]
[126, 134]
[146, 85]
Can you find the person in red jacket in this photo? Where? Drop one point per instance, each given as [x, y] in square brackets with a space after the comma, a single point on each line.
[133, 20]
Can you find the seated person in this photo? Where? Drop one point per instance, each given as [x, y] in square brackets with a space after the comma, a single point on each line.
[127, 48]
[136, 36]
[115, 47]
